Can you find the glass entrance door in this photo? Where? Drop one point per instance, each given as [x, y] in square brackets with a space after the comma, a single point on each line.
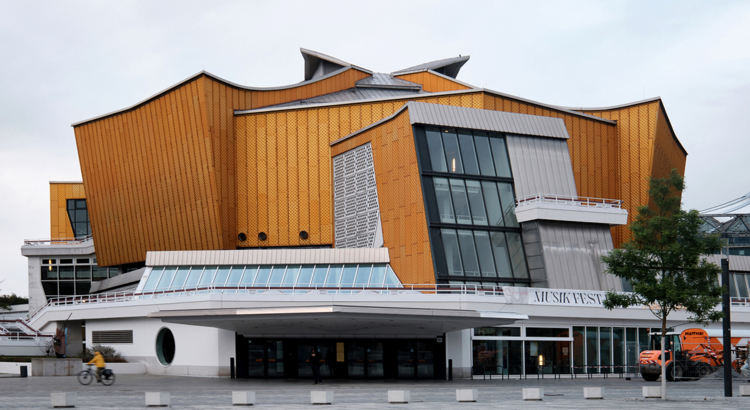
[265, 358]
[256, 366]
[406, 353]
[275, 358]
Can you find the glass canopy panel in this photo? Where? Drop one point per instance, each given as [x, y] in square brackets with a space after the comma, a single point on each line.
[153, 279]
[378, 275]
[391, 278]
[350, 272]
[305, 275]
[208, 275]
[166, 278]
[264, 273]
[248, 278]
[222, 275]
[194, 277]
[180, 277]
[363, 275]
[334, 275]
[292, 272]
[277, 275]
[319, 276]
[235, 276]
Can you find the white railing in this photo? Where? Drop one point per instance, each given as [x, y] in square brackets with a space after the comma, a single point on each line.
[26, 331]
[424, 289]
[740, 302]
[57, 241]
[567, 200]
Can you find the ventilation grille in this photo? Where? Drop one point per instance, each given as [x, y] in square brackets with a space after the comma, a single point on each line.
[355, 198]
[111, 336]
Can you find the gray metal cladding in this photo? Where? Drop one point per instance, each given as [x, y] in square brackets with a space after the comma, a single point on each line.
[540, 166]
[267, 257]
[355, 94]
[488, 120]
[572, 253]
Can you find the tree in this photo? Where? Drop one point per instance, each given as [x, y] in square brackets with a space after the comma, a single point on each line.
[6, 301]
[664, 261]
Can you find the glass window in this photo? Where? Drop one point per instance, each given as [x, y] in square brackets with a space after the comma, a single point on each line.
[49, 261]
[290, 279]
[50, 288]
[277, 275]
[66, 272]
[460, 201]
[83, 287]
[450, 141]
[235, 275]
[49, 272]
[435, 145]
[66, 261]
[248, 278]
[468, 153]
[547, 332]
[452, 253]
[618, 349]
[391, 278]
[492, 202]
[166, 278]
[100, 273]
[468, 253]
[194, 277]
[363, 274]
[319, 277]
[208, 275]
[484, 154]
[500, 250]
[113, 272]
[153, 279]
[497, 331]
[305, 275]
[67, 288]
[82, 261]
[605, 348]
[484, 250]
[221, 275]
[579, 349]
[378, 275]
[350, 273]
[474, 191]
[517, 257]
[180, 277]
[741, 286]
[592, 348]
[264, 273]
[509, 203]
[502, 167]
[443, 195]
[334, 275]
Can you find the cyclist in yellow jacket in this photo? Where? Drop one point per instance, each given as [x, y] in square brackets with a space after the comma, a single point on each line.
[98, 360]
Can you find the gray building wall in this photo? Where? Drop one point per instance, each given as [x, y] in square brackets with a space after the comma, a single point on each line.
[37, 299]
[541, 166]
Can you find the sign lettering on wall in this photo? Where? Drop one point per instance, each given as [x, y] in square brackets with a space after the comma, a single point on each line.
[542, 296]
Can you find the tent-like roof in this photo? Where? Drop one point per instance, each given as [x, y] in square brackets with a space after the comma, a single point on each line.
[446, 66]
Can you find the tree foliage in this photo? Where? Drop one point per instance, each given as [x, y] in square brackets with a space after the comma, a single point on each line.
[664, 260]
[6, 301]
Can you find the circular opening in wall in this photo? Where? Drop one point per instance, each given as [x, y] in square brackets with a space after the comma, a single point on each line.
[165, 346]
[242, 237]
[262, 236]
[303, 234]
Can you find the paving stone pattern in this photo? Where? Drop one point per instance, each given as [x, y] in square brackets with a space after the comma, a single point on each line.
[214, 393]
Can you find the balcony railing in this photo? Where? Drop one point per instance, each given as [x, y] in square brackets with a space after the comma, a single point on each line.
[567, 200]
[57, 241]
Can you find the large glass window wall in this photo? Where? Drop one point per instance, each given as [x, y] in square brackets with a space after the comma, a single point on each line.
[474, 232]
[79, 217]
[71, 276]
[228, 278]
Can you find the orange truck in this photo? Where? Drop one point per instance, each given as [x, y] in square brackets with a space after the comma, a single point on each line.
[692, 353]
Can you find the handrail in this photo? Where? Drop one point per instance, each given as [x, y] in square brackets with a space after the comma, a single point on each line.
[57, 241]
[582, 201]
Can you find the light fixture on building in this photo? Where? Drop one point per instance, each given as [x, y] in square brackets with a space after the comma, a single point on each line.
[303, 235]
[262, 236]
[242, 237]
[541, 360]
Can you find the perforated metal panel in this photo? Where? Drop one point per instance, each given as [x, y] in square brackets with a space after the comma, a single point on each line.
[355, 199]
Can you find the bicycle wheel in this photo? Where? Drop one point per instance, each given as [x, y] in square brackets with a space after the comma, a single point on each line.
[108, 380]
[85, 377]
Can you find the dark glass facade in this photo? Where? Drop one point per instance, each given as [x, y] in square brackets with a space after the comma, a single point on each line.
[79, 218]
[469, 197]
[70, 277]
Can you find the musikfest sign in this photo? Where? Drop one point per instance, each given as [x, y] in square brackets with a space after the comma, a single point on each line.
[542, 296]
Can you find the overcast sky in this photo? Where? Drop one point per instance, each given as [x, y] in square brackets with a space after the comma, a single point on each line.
[66, 61]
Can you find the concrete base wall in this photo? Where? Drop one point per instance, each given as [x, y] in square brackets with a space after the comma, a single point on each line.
[15, 368]
[127, 368]
[56, 367]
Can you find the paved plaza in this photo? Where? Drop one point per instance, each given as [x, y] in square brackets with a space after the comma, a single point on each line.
[208, 393]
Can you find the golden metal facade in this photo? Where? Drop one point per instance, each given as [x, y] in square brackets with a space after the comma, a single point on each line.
[59, 193]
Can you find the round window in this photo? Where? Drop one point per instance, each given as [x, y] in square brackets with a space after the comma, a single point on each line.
[165, 346]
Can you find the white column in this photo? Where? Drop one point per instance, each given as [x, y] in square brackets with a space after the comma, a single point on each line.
[458, 349]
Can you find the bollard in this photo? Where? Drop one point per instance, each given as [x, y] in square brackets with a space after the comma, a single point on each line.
[533, 393]
[399, 396]
[157, 399]
[450, 369]
[593, 393]
[231, 367]
[467, 395]
[745, 390]
[243, 398]
[24, 371]
[321, 397]
[652, 392]
[63, 399]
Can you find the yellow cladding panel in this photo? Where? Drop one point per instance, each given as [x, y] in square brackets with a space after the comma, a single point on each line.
[59, 193]
[161, 176]
[433, 83]
[400, 197]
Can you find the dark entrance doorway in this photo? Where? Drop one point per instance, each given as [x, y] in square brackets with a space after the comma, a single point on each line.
[341, 358]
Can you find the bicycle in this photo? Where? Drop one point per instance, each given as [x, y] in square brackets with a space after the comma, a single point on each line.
[85, 377]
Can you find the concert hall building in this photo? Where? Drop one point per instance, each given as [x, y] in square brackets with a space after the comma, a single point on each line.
[397, 223]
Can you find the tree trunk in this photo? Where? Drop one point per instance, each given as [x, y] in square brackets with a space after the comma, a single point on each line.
[663, 361]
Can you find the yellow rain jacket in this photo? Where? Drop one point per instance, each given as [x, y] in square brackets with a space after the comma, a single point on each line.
[98, 360]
